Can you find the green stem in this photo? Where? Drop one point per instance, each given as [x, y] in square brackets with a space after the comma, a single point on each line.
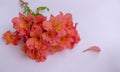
[26, 8]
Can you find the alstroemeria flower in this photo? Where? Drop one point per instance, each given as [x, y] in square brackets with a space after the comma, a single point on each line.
[37, 55]
[47, 25]
[22, 23]
[11, 38]
[43, 37]
[54, 49]
[51, 37]
[58, 24]
[38, 20]
[35, 43]
[37, 29]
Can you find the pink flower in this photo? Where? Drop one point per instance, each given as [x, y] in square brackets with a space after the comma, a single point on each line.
[38, 20]
[36, 49]
[43, 37]
[11, 38]
[58, 24]
[36, 31]
[37, 55]
[47, 25]
[51, 37]
[54, 49]
[35, 43]
[30, 43]
[22, 23]
[68, 18]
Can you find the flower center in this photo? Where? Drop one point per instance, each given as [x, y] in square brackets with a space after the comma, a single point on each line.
[23, 25]
[63, 40]
[9, 38]
[58, 27]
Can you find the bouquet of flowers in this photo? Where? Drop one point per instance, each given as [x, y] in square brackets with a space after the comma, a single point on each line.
[41, 36]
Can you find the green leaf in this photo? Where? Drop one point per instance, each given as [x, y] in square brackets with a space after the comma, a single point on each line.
[42, 8]
[39, 14]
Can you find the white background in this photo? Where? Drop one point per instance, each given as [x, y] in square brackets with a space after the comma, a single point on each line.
[98, 24]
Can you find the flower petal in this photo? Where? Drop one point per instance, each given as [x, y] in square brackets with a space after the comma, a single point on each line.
[30, 43]
[93, 48]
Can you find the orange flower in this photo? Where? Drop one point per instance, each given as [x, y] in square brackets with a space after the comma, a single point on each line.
[58, 24]
[37, 55]
[36, 49]
[43, 37]
[22, 23]
[38, 20]
[34, 43]
[11, 38]
[47, 25]
[54, 49]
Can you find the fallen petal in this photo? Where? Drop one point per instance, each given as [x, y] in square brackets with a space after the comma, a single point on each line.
[93, 48]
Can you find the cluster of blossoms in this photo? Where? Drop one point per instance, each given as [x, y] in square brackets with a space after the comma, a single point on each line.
[43, 37]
